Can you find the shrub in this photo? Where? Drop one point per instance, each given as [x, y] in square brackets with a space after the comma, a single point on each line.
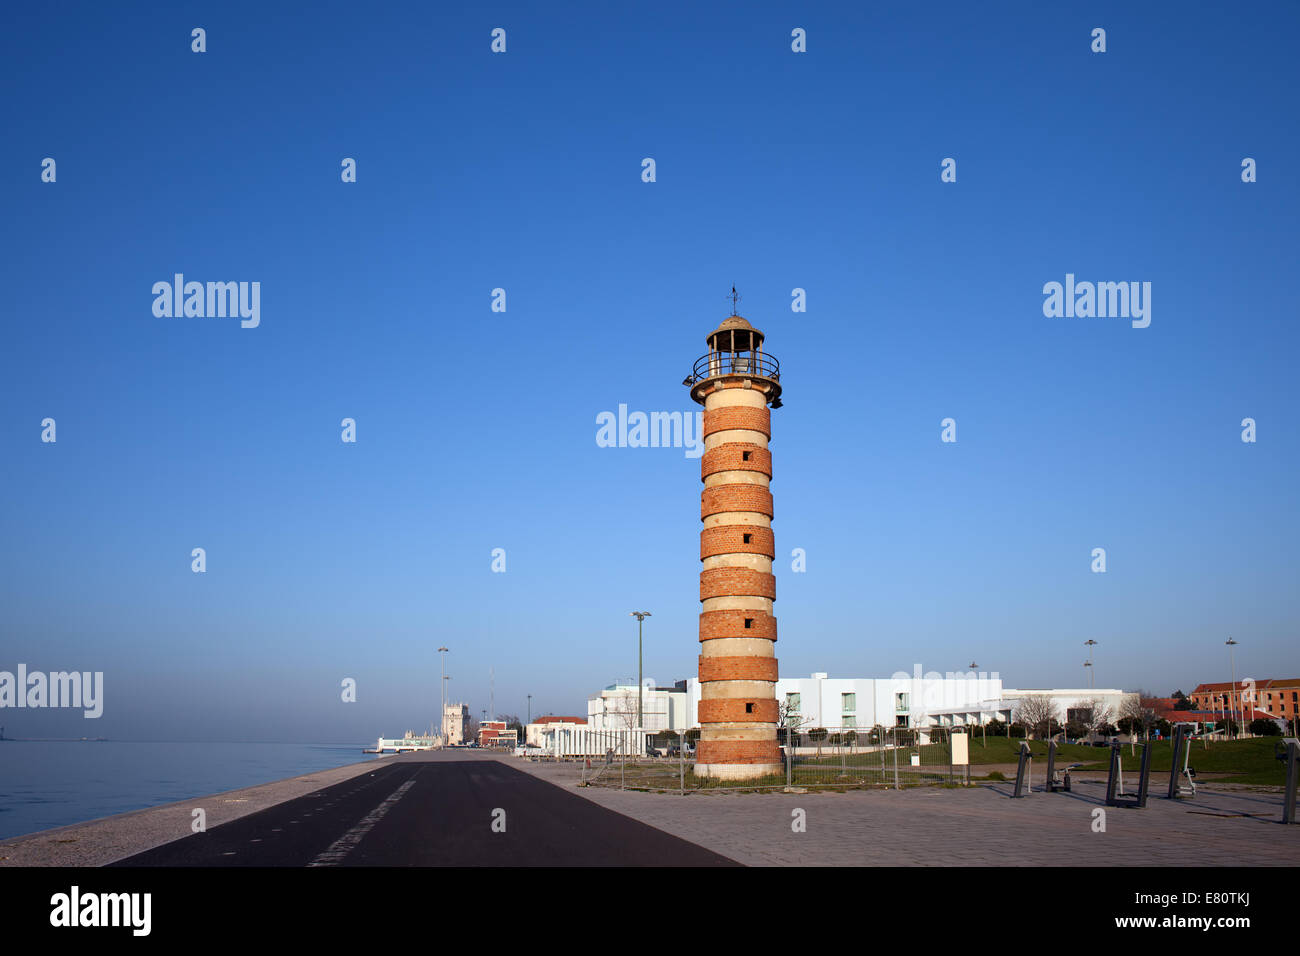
[1263, 727]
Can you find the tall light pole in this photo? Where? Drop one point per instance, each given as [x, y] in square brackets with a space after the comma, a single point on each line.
[530, 708]
[640, 685]
[1090, 644]
[1233, 661]
[442, 695]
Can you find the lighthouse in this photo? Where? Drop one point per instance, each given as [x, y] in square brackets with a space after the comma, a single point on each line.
[737, 383]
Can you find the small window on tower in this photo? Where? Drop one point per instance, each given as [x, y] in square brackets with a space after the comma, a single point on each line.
[749, 622]
[744, 455]
[749, 538]
[749, 708]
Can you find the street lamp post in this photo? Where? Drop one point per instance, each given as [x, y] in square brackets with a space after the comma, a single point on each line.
[1090, 644]
[1233, 662]
[442, 695]
[640, 680]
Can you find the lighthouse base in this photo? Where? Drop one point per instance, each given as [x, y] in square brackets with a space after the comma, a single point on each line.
[738, 771]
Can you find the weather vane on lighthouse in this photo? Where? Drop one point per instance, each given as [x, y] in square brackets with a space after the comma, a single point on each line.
[735, 300]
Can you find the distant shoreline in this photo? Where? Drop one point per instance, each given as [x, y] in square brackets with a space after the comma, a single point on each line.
[55, 740]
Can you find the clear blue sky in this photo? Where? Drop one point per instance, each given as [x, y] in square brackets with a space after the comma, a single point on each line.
[476, 430]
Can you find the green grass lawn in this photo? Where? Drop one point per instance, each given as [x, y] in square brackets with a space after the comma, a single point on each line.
[1240, 761]
[999, 750]
[1004, 750]
[1246, 761]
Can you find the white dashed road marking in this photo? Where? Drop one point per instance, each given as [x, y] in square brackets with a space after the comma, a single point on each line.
[345, 844]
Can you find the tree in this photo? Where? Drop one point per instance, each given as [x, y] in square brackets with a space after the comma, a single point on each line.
[1263, 727]
[1095, 715]
[1037, 713]
[621, 711]
[514, 723]
[470, 731]
[788, 720]
[1137, 716]
[817, 735]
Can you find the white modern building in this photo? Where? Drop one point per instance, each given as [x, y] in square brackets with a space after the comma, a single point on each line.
[819, 700]
[543, 728]
[580, 740]
[1073, 702]
[662, 708]
[918, 701]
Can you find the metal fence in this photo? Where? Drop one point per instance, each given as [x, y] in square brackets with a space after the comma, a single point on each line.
[892, 758]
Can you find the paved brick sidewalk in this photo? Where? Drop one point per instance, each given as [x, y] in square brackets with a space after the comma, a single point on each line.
[961, 827]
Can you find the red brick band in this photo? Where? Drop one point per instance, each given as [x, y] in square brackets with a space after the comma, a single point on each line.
[737, 582]
[721, 499]
[737, 751]
[737, 416]
[716, 624]
[733, 710]
[737, 668]
[730, 539]
[731, 457]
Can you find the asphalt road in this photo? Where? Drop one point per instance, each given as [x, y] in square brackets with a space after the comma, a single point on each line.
[433, 810]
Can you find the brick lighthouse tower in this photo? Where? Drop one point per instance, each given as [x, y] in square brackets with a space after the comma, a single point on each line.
[736, 382]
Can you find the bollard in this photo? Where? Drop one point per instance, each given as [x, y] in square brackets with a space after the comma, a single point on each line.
[1180, 766]
[1144, 776]
[1113, 775]
[1292, 757]
[1174, 760]
[1023, 784]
